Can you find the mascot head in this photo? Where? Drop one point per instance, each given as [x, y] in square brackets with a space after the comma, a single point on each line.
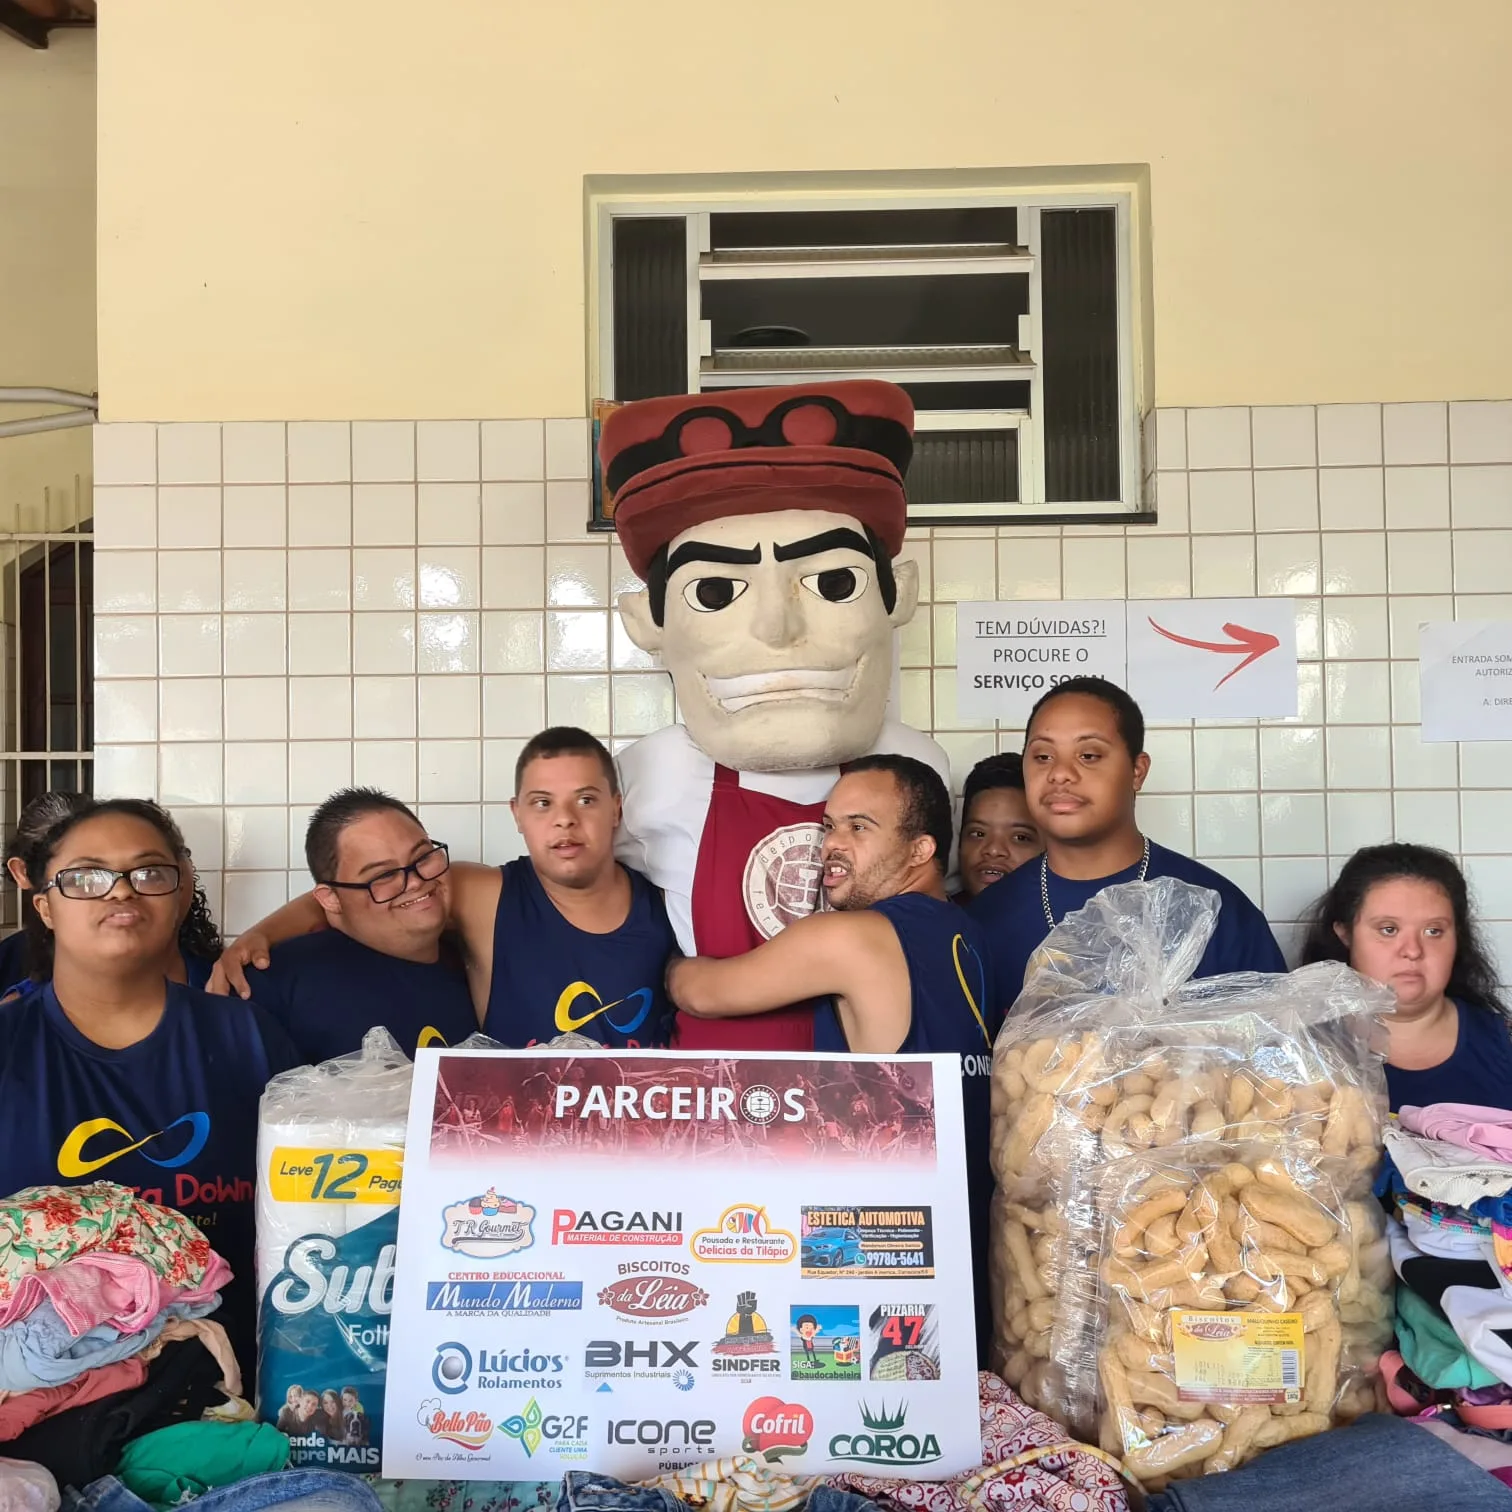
[765, 524]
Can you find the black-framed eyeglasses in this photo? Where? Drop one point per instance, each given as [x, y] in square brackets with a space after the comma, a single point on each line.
[99, 881]
[387, 886]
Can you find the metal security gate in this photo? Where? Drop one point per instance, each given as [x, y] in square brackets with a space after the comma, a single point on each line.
[46, 603]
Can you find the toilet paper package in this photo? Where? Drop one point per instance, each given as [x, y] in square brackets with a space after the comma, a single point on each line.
[330, 1155]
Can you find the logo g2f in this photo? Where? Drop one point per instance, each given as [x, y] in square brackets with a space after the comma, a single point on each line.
[451, 1370]
[72, 1163]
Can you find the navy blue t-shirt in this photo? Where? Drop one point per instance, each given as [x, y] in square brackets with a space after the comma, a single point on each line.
[950, 975]
[13, 966]
[1478, 1071]
[550, 977]
[1012, 915]
[173, 1116]
[327, 990]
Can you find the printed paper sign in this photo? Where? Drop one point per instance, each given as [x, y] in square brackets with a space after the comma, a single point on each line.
[1009, 655]
[1213, 658]
[635, 1261]
[1465, 671]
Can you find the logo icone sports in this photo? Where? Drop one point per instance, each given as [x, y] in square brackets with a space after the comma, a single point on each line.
[573, 1009]
[775, 1429]
[885, 1442]
[72, 1162]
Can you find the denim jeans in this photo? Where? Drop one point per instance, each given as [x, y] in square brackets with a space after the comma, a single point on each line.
[583, 1491]
[285, 1490]
[1379, 1464]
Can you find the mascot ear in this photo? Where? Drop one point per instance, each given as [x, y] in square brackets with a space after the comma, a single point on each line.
[635, 615]
[906, 576]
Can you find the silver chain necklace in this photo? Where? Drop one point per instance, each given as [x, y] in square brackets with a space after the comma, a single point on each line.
[1144, 867]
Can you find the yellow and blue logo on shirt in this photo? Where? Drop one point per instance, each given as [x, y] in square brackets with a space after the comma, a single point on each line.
[72, 1162]
[637, 1005]
[969, 970]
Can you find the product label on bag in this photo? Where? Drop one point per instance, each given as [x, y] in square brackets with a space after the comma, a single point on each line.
[323, 1175]
[1238, 1357]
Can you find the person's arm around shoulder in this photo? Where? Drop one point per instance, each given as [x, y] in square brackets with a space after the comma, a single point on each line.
[844, 955]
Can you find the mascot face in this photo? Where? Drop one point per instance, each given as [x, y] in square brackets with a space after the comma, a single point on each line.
[777, 636]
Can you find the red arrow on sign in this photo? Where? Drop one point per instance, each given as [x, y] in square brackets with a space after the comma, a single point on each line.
[1250, 644]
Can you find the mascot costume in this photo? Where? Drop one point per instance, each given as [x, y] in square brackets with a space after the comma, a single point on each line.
[765, 525]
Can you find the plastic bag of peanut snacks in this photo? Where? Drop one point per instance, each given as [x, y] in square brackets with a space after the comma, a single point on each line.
[1112, 1055]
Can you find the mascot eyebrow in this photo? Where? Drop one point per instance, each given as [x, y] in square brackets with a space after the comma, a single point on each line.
[839, 539]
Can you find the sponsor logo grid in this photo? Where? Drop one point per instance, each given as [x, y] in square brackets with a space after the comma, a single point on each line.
[689, 1325]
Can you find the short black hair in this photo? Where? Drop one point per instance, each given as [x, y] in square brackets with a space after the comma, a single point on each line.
[887, 582]
[566, 740]
[342, 808]
[803, 1318]
[926, 807]
[1130, 717]
[991, 773]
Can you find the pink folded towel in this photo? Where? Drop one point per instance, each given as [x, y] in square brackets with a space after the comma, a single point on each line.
[102, 1287]
[1486, 1130]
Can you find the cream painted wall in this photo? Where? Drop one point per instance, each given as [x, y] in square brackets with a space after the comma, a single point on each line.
[368, 209]
[47, 269]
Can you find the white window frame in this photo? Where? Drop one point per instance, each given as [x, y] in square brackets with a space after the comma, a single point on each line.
[610, 199]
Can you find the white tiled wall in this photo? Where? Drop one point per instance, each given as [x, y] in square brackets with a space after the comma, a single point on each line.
[286, 608]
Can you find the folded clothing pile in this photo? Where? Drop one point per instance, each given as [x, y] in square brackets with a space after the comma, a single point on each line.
[1449, 1181]
[104, 1327]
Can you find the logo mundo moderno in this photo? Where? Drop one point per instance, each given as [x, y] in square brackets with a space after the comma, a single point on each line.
[883, 1443]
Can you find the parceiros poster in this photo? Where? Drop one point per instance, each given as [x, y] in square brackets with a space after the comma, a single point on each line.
[633, 1262]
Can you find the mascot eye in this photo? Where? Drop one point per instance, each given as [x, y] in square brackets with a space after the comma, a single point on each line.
[707, 595]
[840, 585]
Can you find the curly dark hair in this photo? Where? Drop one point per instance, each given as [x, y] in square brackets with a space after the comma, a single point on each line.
[197, 936]
[1473, 979]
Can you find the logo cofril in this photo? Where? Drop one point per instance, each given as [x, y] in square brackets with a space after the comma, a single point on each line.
[488, 1226]
[884, 1442]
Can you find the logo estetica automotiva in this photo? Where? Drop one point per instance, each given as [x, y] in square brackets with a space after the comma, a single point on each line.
[456, 1368]
[73, 1163]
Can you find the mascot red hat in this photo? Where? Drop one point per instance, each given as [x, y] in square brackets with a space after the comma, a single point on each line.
[672, 463]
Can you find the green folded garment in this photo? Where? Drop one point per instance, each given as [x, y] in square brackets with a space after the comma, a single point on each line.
[176, 1464]
[1432, 1350]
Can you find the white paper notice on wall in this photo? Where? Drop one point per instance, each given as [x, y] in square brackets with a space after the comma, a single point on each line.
[1465, 672]
[1008, 655]
[1213, 658]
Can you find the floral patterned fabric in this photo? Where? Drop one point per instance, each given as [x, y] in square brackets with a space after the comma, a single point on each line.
[46, 1226]
[1072, 1478]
